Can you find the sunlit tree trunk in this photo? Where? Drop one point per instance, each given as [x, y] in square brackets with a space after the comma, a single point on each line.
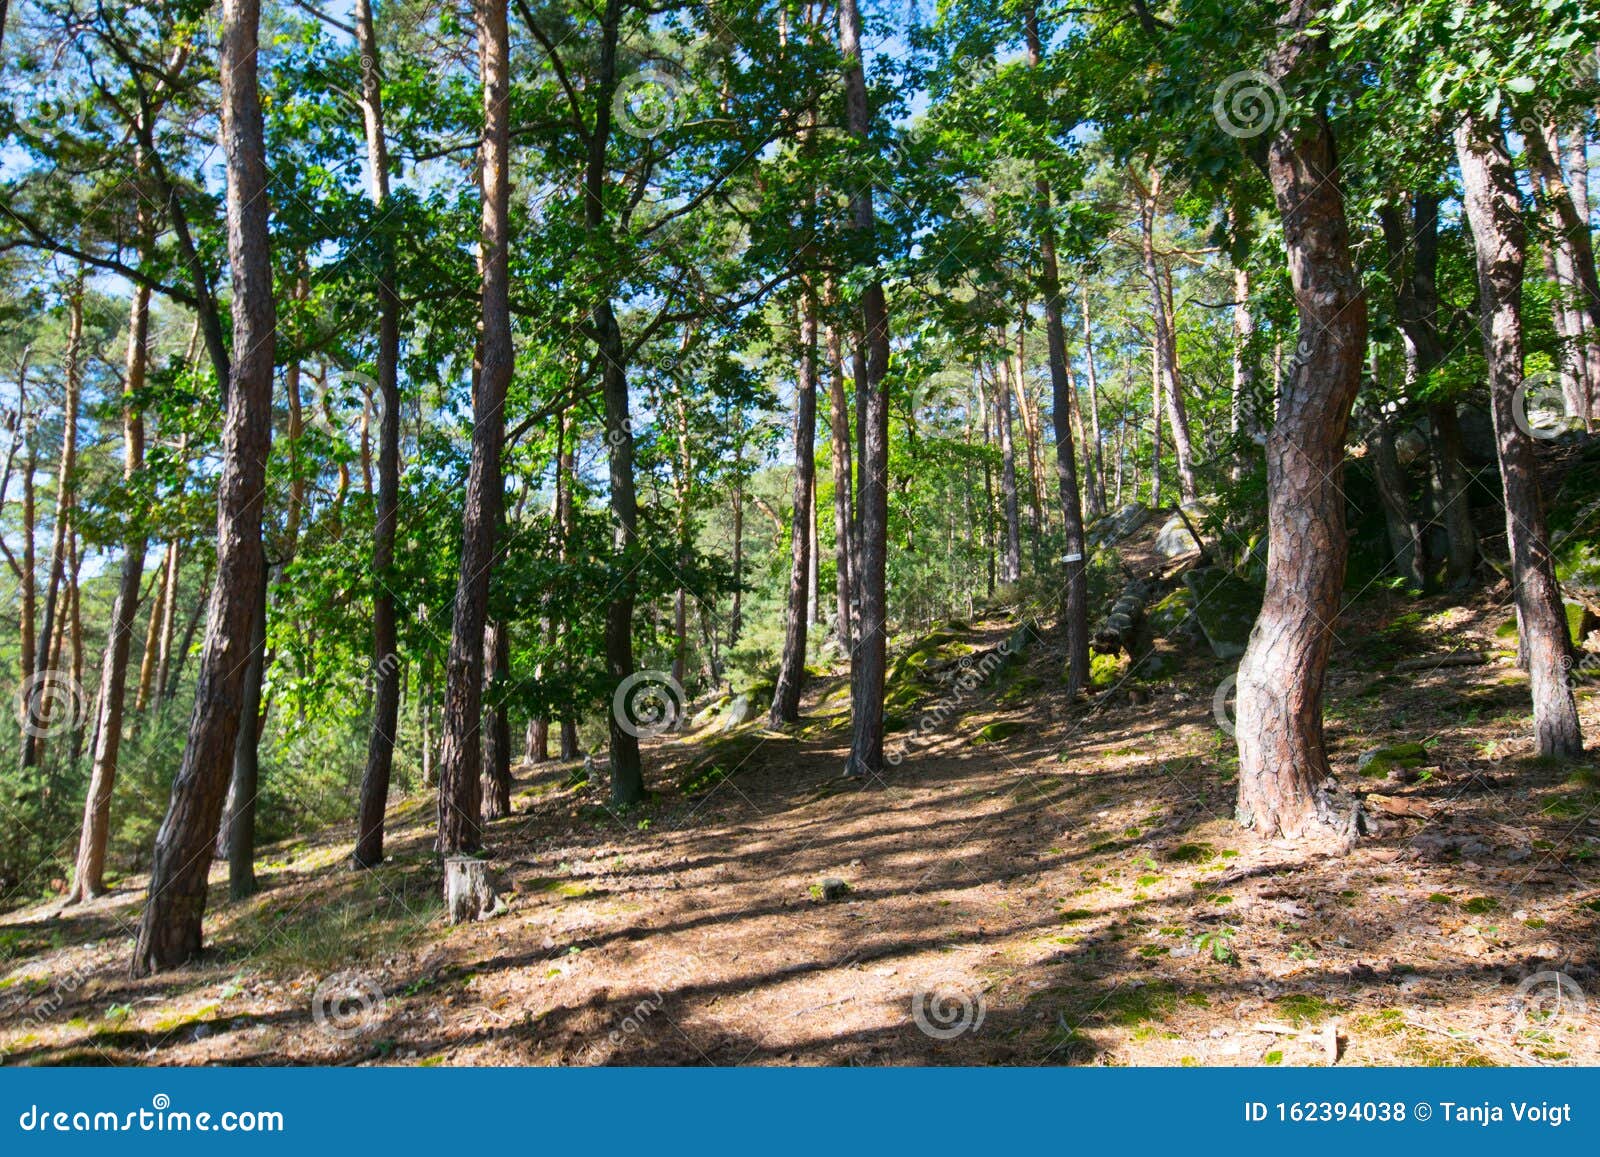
[88, 876]
[170, 927]
[792, 664]
[65, 476]
[461, 753]
[839, 454]
[1494, 209]
[1011, 560]
[1283, 762]
[386, 666]
[868, 665]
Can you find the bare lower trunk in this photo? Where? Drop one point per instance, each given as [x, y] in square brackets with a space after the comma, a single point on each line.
[88, 876]
[239, 812]
[1283, 763]
[497, 735]
[792, 666]
[1451, 494]
[170, 927]
[839, 452]
[1011, 560]
[461, 751]
[1405, 545]
[1095, 456]
[868, 666]
[386, 666]
[1494, 209]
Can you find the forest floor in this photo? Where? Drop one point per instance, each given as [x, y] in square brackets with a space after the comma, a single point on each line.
[1035, 882]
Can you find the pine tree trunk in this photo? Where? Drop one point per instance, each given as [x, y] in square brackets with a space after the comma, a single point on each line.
[386, 667]
[43, 662]
[792, 665]
[88, 876]
[869, 658]
[1283, 762]
[839, 453]
[239, 812]
[1574, 244]
[1405, 535]
[461, 751]
[1494, 210]
[170, 927]
[1166, 365]
[1011, 561]
[497, 736]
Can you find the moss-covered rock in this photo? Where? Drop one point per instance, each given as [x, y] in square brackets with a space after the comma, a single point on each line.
[1226, 608]
[999, 730]
[1382, 762]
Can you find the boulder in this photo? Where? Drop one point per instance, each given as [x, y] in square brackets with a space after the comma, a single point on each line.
[1226, 607]
[1115, 527]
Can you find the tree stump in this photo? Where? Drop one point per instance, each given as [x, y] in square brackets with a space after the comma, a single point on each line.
[467, 893]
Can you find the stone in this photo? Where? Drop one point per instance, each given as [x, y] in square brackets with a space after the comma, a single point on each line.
[1113, 528]
[740, 711]
[830, 890]
[1226, 608]
[1174, 540]
[1391, 761]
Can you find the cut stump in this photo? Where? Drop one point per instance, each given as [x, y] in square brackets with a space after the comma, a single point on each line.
[468, 895]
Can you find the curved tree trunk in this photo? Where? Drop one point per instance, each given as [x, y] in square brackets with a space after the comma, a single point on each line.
[1282, 759]
[461, 751]
[170, 927]
[1495, 212]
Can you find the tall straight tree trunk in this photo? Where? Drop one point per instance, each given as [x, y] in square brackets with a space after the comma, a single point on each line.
[169, 659]
[461, 752]
[497, 740]
[386, 668]
[1157, 401]
[1166, 345]
[1577, 157]
[1413, 246]
[1011, 562]
[1242, 418]
[868, 667]
[1097, 500]
[840, 454]
[1572, 238]
[28, 640]
[88, 875]
[170, 927]
[152, 638]
[1494, 210]
[792, 665]
[66, 471]
[1283, 762]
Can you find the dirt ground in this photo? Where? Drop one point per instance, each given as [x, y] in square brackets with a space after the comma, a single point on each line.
[1071, 891]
